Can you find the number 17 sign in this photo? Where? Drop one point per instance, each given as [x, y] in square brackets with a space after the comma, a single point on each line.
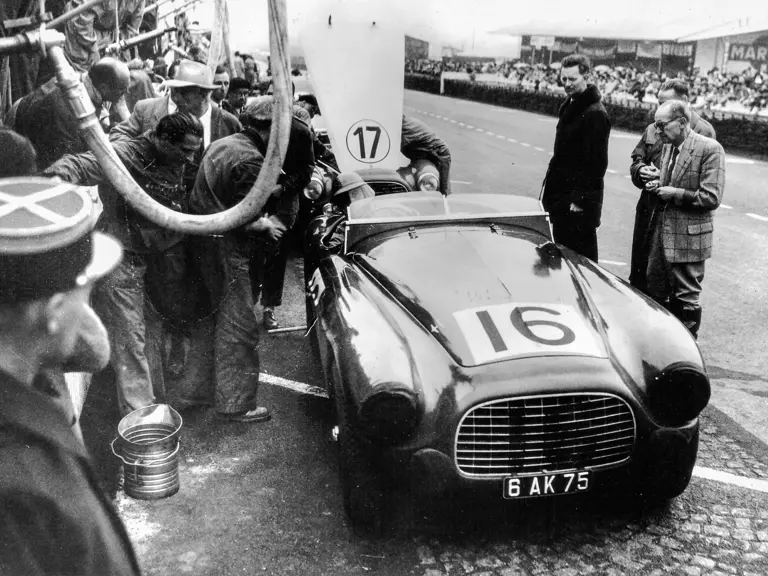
[368, 141]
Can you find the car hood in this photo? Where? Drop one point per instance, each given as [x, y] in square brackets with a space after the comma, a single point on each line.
[489, 294]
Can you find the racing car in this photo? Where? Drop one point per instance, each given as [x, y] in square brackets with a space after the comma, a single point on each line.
[464, 350]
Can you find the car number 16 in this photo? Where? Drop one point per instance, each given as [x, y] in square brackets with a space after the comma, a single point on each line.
[516, 329]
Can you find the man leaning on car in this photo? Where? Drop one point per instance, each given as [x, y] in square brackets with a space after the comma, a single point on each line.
[573, 186]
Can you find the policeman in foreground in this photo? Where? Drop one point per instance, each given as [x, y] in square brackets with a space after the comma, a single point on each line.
[56, 519]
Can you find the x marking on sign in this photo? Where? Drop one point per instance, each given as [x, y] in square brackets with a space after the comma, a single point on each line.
[10, 203]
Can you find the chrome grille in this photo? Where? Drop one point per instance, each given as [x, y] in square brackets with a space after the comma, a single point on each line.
[382, 188]
[539, 434]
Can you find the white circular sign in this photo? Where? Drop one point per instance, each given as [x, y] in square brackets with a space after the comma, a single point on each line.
[368, 141]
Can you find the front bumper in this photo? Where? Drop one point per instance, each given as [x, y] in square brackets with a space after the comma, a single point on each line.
[432, 473]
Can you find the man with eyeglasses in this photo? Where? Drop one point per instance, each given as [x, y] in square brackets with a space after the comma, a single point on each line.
[646, 160]
[689, 189]
[572, 192]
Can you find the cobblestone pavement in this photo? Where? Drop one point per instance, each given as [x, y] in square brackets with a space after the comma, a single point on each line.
[693, 536]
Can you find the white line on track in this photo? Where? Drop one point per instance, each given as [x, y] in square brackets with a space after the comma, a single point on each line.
[611, 171]
[479, 129]
[500, 136]
[737, 160]
[613, 262]
[460, 182]
[470, 127]
[728, 478]
[512, 140]
[726, 206]
[525, 144]
[627, 176]
[462, 124]
[625, 136]
[757, 217]
[291, 385]
[539, 149]
[452, 121]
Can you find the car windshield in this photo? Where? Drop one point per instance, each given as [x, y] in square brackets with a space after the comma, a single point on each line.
[435, 205]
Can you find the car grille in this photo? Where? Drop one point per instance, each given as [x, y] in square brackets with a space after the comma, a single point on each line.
[538, 434]
[382, 188]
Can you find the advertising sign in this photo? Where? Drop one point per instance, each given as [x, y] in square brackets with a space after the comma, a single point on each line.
[748, 53]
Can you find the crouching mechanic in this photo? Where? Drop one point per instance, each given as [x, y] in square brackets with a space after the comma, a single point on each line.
[227, 173]
[417, 142]
[156, 160]
[56, 519]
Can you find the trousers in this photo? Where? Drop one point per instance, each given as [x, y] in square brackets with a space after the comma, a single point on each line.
[225, 274]
[672, 281]
[267, 271]
[120, 300]
[574, 232]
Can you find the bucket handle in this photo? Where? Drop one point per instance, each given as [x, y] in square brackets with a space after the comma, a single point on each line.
[140, 460]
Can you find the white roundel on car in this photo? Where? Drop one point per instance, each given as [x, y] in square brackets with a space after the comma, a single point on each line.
[527, 329]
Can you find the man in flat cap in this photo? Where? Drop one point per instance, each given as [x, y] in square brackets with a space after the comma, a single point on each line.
[228, 171]
[55, 519]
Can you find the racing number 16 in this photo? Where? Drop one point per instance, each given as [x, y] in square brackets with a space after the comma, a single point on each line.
[524, 326]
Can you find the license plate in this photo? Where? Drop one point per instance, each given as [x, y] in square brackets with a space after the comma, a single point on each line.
[547, 484]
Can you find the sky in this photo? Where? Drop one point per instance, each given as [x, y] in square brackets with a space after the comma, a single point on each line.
[483, 26]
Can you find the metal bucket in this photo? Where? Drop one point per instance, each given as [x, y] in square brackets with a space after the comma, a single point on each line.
[148, 444]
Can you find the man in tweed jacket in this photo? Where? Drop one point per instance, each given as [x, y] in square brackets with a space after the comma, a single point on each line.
[689, 189]
[646, 161]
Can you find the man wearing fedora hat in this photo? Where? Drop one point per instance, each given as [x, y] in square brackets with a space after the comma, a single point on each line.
[56, 519]
[191, 90]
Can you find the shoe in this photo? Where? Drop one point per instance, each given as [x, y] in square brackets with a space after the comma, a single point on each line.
[260, 414]
[270, 323]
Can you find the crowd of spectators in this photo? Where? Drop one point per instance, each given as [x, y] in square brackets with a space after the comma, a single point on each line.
[713, 90]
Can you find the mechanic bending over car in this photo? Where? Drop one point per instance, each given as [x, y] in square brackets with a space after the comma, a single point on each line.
[229, 169]
[349, 187]
[417, 142]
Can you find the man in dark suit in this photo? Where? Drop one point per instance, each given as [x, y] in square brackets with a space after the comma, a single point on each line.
[573, 187]
[646, 160]
[689, 189]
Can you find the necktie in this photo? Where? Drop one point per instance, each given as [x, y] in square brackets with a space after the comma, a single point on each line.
[671, 168]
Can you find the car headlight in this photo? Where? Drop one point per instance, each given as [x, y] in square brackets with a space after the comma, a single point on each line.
[426, 175]
[679, 393]
[390, 415]
[316, 186]
[428, 183]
